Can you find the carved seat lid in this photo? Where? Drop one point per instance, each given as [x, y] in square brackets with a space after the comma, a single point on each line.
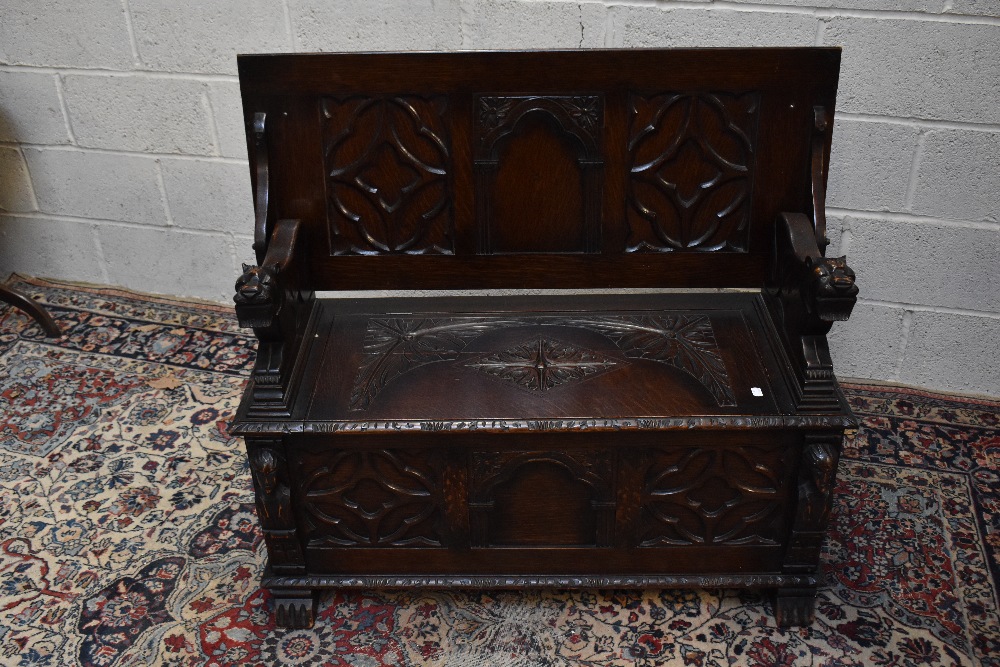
[540, 363]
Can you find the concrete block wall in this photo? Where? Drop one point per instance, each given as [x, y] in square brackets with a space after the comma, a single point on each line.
[122, 158]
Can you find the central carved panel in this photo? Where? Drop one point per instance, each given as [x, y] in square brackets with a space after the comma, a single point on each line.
[539, 173]
[526, 498]
[541, 364]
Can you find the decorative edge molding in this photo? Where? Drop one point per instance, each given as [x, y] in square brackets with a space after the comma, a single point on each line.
[533, 581]
[722, 422]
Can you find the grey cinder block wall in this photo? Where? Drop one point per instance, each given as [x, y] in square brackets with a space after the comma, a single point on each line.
[122, 159]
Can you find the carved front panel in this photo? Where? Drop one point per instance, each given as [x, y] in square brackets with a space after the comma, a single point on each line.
[692, 164]
[388, 161]
[371, 499]
[541, 498]
[715, 495]
[538, 172]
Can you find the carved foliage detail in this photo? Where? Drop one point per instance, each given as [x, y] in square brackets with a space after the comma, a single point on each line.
[398, 345]
[387, 164]
[731, 495]
[395, 346]
[375, 498]
[686, 342]
[580, 116]
[542, 363]
[692, 161]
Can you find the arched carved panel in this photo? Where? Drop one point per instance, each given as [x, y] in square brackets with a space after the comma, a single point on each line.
[718, 495]
[507, 498]
[539, 172]
[692, 160]
[387, 162]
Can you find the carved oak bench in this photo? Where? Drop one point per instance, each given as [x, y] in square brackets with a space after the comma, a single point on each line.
[660, 439]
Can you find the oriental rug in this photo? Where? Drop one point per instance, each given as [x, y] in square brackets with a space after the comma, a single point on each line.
[128, 535]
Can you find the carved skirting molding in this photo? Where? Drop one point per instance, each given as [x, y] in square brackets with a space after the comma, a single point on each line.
[716, 423]
[543, 581]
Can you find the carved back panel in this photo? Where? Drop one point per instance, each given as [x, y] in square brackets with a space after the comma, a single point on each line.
[387, 160]
[650, 168]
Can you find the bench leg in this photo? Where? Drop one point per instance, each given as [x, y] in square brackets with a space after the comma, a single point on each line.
[795, 606]
[294, 608]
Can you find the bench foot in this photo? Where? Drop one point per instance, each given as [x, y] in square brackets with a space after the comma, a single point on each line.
[294, 608]
[795, 606]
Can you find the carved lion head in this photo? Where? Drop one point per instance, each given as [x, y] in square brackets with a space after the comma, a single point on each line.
[256, 285]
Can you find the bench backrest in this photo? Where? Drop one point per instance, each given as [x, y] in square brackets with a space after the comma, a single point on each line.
[562, 169]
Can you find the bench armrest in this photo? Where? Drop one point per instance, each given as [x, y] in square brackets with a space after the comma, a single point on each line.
[806, 294]
[270, 300]
[825, 285]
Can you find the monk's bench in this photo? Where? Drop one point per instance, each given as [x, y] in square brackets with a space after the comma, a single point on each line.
[671, 420]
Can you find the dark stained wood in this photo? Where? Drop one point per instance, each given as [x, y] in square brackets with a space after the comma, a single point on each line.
[492, 159]
[33, 309]
[666, 439]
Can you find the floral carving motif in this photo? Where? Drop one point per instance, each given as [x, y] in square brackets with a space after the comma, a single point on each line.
[686, 342]
[541, 364]
[395, 346]
[493, 111]
[692, 160]
[584, 110]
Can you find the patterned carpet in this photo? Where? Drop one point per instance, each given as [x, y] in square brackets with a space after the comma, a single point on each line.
[128, 537]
